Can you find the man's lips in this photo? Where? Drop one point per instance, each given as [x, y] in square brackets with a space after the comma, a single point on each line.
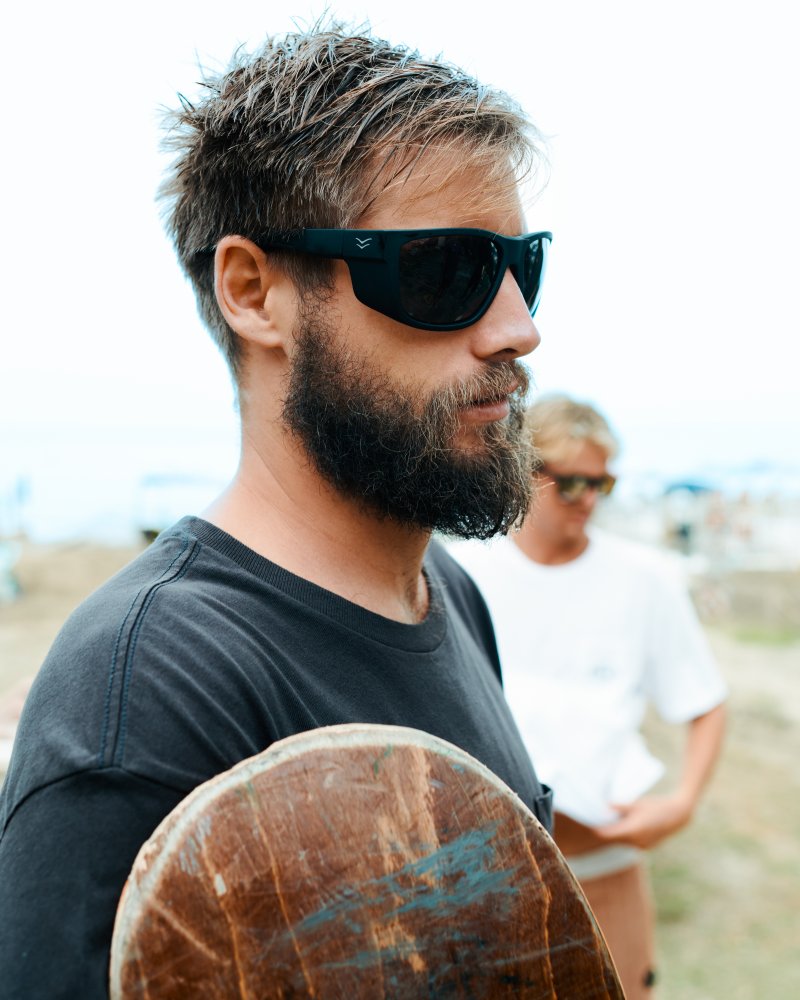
[486, 410]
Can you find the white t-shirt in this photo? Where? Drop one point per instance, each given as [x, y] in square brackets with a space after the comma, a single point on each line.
[584, 646]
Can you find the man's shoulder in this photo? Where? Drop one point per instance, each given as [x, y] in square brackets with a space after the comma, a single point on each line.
[440, 556]
[454, 567]
[148, 614]
[98, 621]
[180, 573]
[463, 599]
[635, 557]
[479, 557]
[640, 576]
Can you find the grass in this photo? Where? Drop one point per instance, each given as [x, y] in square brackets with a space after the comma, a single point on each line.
[728, 887]
[761, 635]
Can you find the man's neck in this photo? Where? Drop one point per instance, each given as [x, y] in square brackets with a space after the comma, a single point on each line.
[546, 550]
[279, 506]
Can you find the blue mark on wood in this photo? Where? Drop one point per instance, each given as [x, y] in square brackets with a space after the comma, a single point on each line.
[188, 856]
[448, 879]
[376, 765]
[203, 828]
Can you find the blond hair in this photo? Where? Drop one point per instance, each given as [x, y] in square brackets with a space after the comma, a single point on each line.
[558, 425]
[307, 132]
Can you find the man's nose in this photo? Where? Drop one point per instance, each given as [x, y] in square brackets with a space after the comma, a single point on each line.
[589, 497]
[507, 330]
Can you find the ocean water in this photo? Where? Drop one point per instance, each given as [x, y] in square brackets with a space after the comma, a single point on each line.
[109, 485]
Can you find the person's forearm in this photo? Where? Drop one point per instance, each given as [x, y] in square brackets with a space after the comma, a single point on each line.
[648, 820]
[703, 745]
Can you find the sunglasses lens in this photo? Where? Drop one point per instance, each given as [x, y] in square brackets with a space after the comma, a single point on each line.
[606, 485]
[572, 488]
[447, 279]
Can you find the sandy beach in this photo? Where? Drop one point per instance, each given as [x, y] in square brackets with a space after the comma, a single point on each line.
[728, 888]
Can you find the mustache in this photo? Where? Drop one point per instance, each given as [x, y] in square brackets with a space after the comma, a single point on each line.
[498, 380]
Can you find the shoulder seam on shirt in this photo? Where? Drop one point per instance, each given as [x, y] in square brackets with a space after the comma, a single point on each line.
[143, 603]
[84, 771]
[193, 547]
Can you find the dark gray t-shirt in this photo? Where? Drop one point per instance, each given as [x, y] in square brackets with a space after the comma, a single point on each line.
[197, 655]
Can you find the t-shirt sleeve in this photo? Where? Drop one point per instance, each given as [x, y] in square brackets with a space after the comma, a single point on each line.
[682, 678]
[64, 857]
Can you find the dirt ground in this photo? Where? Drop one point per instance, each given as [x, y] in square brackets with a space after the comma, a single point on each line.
[727, 888]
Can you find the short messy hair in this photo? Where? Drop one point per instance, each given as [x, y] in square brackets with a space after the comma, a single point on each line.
[307, 132]
[559, 424]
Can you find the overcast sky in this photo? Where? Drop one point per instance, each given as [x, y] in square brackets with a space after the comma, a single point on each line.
[672, 297]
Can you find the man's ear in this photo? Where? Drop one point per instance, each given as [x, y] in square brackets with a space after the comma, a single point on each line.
[257, 299]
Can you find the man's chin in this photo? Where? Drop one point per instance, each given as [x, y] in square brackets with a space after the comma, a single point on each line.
[576, 528]
[468, 440]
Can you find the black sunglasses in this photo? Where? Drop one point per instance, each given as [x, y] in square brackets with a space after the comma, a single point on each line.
[571, 488]
[431, 279]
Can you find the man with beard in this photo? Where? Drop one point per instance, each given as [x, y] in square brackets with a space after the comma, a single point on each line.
[348, 214]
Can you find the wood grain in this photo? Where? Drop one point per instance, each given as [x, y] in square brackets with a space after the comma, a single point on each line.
[355, 862]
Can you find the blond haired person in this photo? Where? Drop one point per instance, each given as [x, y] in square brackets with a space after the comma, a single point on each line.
[591, 629]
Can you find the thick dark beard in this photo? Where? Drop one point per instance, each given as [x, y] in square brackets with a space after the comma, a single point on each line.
[393, 452]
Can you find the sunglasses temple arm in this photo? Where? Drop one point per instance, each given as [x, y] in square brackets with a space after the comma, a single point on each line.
[323, 242]
[319, 242]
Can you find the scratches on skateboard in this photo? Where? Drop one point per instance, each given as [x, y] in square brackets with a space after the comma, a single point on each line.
[357, 862]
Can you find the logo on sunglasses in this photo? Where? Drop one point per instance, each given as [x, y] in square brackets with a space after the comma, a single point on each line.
[363, 244]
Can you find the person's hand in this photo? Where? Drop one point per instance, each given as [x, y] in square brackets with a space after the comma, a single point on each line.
[647, 821]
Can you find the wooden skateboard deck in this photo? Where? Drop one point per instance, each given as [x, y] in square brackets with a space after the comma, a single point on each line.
[356, 861]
